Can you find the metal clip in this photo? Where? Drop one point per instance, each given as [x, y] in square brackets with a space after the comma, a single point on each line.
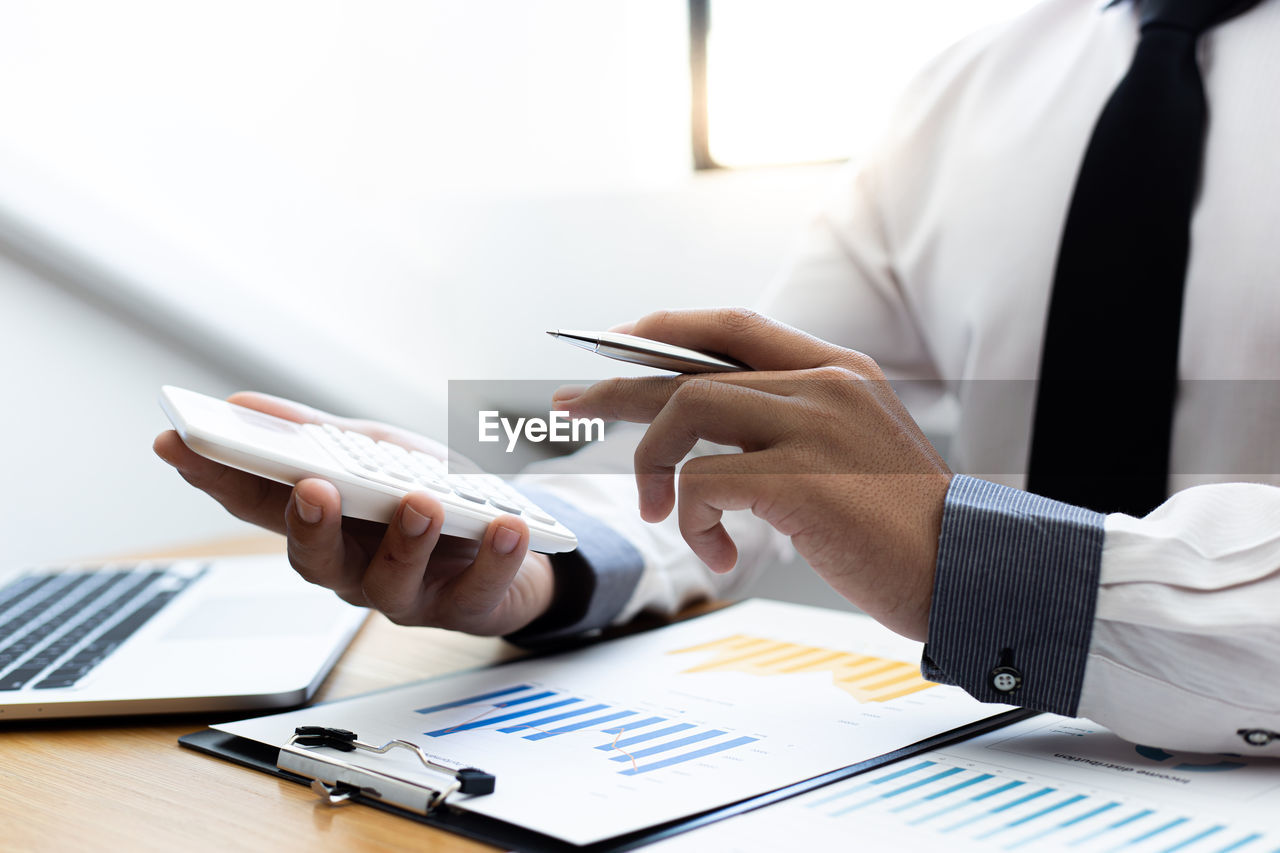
[334, 795]
[337, 780]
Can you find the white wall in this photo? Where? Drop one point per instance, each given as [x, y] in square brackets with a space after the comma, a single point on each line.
[345, 202]
[80, 412]
[85, 351]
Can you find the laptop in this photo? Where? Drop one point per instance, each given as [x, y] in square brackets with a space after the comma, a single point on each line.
[158, 637]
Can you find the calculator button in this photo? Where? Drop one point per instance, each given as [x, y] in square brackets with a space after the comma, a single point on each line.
[462, 490]
[538, 515]
[395, 451]
[320, 432]
[489, 489]
[505, 504]
[426, 474]
[427, 460]
[406, 470]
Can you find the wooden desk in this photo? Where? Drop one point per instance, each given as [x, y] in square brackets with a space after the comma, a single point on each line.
[125, 784]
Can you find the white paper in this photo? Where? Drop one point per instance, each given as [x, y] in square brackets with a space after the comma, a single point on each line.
[1048, 783]
[719, 708]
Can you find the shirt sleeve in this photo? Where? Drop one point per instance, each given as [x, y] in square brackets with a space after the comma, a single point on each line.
[1014, 593]
[1165, 629]
[839, 284]
[1185, 652]
[593, 583]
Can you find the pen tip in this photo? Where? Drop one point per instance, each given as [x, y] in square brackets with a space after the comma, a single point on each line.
[554, 334]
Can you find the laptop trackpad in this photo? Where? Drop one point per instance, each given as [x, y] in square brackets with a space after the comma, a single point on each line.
[253, 616]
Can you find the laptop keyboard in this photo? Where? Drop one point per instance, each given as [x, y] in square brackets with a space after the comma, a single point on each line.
[55, 627]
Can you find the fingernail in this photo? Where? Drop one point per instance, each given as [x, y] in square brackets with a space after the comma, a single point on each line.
[623, 328]
[310, 513]
[413, 523]
[567, 393]
[505, 541]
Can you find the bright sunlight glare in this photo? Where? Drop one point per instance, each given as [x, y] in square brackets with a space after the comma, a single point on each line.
[814, 80]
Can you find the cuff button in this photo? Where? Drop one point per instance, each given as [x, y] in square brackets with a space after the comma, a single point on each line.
[1257, 737]
[1005, 679]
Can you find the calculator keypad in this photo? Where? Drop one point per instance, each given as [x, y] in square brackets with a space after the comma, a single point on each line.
[413, 470]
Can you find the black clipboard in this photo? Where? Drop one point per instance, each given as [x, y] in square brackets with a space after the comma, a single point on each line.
[264, 757]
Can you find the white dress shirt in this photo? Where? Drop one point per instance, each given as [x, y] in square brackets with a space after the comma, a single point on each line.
[935, 255]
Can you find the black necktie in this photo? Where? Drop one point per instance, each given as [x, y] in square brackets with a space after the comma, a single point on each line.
[1108, 372]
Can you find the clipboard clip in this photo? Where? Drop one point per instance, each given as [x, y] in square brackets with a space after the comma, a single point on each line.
[337, 780]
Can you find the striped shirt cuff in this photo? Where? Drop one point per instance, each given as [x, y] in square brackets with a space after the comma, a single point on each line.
[593, 583]
[1014, 594]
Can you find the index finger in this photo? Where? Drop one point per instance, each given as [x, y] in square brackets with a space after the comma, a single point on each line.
[254, 499]
[739, 333]
[640, 399]
[289, 410]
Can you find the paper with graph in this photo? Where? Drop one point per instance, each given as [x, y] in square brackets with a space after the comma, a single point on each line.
[1048, 783]
[635, 732]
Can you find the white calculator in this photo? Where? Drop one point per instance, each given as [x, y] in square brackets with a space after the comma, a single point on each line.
[371, 476]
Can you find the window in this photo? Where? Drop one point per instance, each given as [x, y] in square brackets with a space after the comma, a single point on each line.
[811, 80]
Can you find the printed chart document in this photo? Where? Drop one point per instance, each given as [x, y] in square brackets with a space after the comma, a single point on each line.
[635, 732]
[1047, 783]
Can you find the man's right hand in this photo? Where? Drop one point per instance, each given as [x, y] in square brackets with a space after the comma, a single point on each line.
[406, 569]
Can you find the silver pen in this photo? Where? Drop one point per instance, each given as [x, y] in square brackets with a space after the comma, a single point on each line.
[649, 353]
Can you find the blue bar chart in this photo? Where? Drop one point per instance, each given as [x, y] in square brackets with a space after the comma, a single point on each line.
[939, 800]
[594, 743]
[641, 742]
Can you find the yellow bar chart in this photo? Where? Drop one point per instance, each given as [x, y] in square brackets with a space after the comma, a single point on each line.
[865, 678]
